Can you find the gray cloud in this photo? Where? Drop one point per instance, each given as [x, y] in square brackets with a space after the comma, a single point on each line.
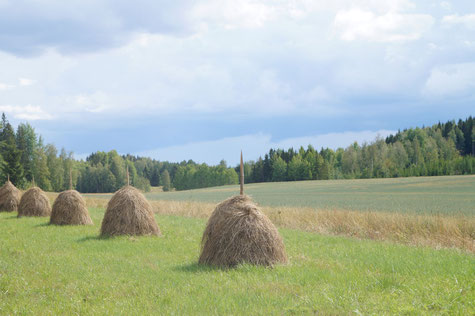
[28, 28]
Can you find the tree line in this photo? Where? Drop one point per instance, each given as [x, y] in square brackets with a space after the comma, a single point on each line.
[27, 160]
[442, 149]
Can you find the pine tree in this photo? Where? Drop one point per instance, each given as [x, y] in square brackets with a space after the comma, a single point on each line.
[26, 140]
[12, 156]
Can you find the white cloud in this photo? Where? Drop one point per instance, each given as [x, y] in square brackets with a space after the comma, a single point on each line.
[29, 112]
[357, 24]
[232, 14]
[451, 80]
[256, 145]
[446, 5]
[26, 81]
[4, 86]
[96, 102]
[467, 20]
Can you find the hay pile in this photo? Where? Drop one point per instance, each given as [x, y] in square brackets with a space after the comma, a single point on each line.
[69, 208]
[34, 202]
[9, 197]
[238, 232]
[129, 213]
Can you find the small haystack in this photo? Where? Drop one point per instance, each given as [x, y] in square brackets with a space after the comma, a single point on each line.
[34, 202]
[9, 197]
[69, 208]
[129, 213]
[238, 232]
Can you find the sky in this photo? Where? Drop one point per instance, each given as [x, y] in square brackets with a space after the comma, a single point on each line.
[203, 80]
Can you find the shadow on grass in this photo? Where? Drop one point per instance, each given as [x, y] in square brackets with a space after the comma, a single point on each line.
[11, 217]
[94, 237]
[197, 267]
[43, 225]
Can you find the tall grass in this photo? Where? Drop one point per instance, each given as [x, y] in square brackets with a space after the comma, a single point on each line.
[438, 231]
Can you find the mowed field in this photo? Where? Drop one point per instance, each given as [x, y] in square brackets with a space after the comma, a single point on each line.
[51, 270]
[446, 195]
[347, 254]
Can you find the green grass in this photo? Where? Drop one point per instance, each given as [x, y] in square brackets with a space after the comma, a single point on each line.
[69, 270]
[447, 195]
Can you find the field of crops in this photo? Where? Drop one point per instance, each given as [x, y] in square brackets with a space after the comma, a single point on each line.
[448, 195]
[50, 270]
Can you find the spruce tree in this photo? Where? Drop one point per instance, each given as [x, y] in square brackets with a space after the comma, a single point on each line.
[12, 156]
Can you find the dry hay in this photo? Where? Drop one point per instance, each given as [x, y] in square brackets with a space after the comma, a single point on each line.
[9, 197]
[129, 213]
[69, 208]
[238, 232]
[34, 202]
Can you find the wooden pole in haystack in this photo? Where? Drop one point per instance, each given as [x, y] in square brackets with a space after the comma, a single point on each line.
[241, 172]
[8, 177]
[128, 176]
[33, 181]
[70, 179]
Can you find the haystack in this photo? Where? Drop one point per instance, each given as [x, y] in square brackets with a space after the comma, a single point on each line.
[9, 197]
[238, 232]
[34, 202]
[129, 213]
[69, 208]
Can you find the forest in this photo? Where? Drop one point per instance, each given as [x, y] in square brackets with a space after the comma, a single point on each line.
[442, 149]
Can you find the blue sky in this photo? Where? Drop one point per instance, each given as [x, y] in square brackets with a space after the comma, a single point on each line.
[202, 80]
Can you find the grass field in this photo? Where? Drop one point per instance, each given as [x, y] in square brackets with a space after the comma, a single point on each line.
[446, 195]
[434, 211]
[69, 270]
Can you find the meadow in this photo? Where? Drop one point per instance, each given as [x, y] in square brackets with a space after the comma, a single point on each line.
[47, 269]
[447, 195]
[430, 211]
[347, 255]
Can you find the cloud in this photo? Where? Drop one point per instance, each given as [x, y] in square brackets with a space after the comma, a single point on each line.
[446, 5]
[22, 82]
[4, 86]
[232, 14]
[357, 24]
[32, 27]
[26, 81]
[29, 27]
[467, 20]
[453, 80]
[29, 112]
[255, 145]
[201, 70]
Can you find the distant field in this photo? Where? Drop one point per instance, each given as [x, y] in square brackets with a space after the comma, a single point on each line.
[430, 211]
[449, 195]
[51, 270]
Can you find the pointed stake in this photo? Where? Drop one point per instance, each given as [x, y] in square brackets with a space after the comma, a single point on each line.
[128, 176]
[70, 179]
[33, 181]
[8, 177]
[241, 169]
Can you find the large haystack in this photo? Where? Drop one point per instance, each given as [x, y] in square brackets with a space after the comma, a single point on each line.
[129, 213]
[9, 197]
[69, 208]
[238, 232]
[34, 202]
